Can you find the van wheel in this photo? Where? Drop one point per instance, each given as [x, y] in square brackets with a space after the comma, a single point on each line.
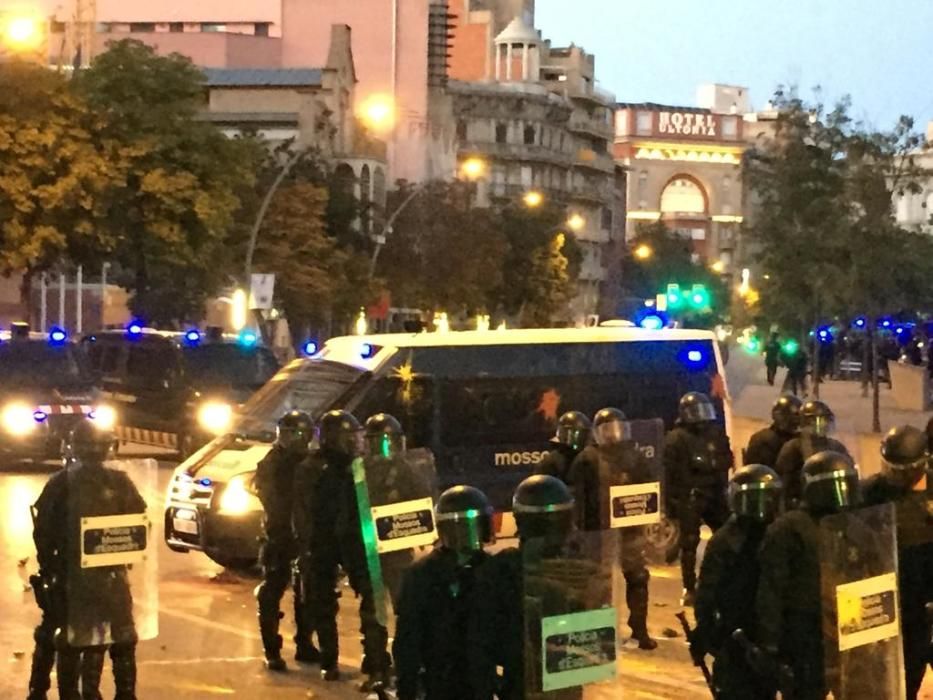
[663, 541]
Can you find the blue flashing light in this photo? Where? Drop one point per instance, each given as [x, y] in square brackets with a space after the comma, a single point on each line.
[193, 336]
[205, 481]
[134, 329]
[651, 322]
[825, 334]
[695, 356]
[860, 322]
[57, 336]
[248, 338]
[899, 330]
[309, 348]
[367, 351]
[886, 323]
[39, 416]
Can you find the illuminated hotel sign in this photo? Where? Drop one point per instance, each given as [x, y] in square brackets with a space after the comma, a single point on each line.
[686, 124]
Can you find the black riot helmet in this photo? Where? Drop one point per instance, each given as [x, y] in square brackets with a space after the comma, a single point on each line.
[830, 482]
[816, 419]
[755, 493]
[904, 455]
[341, 433]
[610, 427]
[543, 508]
[695, 407]
[573, 430]
[384, 437]
[88, 444]
[464, 519]
[294, 431]
[785, 413]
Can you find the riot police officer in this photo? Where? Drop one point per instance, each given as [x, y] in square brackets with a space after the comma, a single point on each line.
[904, 458]
[697, 459]
[765, 445]
[788, 603]
[329, 524]
[573, 434]
[87, 488]
[275, 486]
[725, 600]
[544, 513]
[616, 461]
[817, 423]
[437, 599]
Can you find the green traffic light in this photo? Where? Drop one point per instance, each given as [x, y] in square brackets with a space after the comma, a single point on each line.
[790, 347]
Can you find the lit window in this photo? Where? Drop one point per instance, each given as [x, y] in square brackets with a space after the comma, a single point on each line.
[683, 196]
[213, 27]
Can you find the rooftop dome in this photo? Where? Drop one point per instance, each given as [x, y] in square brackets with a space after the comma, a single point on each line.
[518, 33]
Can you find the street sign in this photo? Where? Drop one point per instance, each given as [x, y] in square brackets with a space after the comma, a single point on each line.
[262, 288]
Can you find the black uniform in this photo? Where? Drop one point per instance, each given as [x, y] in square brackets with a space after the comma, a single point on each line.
[725, 602]
[772, 358]
[83, 491]
[434, 613]
[275, 486]
[915, 574]
[328, 524]
[765, 446]
[788, 602]
[592, 473]
[697, 460]
[557, 462]
[791, 458]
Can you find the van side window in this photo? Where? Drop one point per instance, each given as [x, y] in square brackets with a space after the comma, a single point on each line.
[411, 403]
[150, 367]
[104, 357]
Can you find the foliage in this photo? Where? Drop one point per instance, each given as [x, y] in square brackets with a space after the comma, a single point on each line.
[55, 173]
[171, 218]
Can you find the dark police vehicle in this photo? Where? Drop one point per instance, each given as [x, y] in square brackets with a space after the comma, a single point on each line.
[177, 389]
[46, 386]
[484, 403]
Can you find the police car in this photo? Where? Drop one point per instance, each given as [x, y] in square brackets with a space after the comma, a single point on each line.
[484, 403]
[177, 390]
[46, 386]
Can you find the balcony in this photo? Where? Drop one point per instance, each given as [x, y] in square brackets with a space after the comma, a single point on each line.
[581, 123]
[601, 162]
[517, 151]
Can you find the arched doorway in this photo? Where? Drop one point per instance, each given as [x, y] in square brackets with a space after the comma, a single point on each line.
[685, 209]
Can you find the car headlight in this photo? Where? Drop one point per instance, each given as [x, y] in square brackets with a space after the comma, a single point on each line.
[215, 416]
[18, 419]
[237, 498]
[103, 417]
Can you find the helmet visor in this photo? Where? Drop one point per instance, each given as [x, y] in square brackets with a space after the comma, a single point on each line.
[612, 433]
[292, 438]
[572, 436]
[465, 531]
[905, 474]
[700, 413]
[385, 445]
[761, 502]
[818, 426]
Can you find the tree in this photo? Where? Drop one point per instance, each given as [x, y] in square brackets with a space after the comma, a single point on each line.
[55, 174]
[171, 218]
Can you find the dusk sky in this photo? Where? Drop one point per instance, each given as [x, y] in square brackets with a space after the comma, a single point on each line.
[880, 53]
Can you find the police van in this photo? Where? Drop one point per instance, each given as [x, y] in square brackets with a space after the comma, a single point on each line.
[177, 390]
[46, 386]
[485, 403]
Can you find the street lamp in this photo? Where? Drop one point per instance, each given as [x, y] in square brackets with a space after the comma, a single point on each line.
[533, 198]
[718, 267]
[576, 222]
[643, 252]
[473, 168]
[378, 112]
[21, 33]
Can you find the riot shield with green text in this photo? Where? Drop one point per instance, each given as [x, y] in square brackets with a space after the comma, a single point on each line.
[395, 497]
[570, 622]
[859, 586]
[112, 574]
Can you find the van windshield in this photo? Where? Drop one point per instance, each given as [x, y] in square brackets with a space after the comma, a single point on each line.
[226, 364]
[36, 363]
[311, 386]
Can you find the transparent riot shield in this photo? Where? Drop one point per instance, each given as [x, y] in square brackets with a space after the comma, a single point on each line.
[571, 625]
[395, 497]
[662, 531]
[112, 580]
[863, 655]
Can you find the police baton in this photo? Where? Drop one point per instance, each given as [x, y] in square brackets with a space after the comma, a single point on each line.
[765, 664]
[701, 662]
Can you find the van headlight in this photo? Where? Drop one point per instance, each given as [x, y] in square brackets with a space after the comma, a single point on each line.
[237, 497]
[18, 419]
[215, 417]
[103, 417]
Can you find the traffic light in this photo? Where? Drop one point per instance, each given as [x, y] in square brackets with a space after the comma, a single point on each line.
[790, 346]
[699, 297]
[674, 298]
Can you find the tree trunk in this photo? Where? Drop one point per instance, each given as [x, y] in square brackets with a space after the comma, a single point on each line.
[866, 357]
[25, 294]
[815, 364]
[875, 386]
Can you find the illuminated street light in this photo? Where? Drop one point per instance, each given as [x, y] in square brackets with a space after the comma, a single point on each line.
[576, 222]
[360, 326]
[21, 33]
[533, 199]
[473, 168]
[378, 112]
[644, 251]
[718, 267]
[238, 310]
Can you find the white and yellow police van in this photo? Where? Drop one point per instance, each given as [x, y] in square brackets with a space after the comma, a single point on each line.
[485, 403]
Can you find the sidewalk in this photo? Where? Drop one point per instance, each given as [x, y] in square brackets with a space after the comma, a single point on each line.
[752, 399]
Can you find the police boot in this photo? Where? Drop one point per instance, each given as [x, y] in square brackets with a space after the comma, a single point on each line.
[123, 658]
[378, 670]
[330, 648]
[92, 668]
[68, 668]
[636, 598]
[43, 661]
[688, 566]
[272, 641]
[306, 652]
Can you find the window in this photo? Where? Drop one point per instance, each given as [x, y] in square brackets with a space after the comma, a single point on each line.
[412, 403]
[527, 176]
[462, 130]
[643, 123]
[730, 128]
[213, 27]
[683, 196]
[606, 219]
[142, 27]
[529, 135]
[56, 27]
[225, 364]
[151, 367]
[502, 132]
[261, 29]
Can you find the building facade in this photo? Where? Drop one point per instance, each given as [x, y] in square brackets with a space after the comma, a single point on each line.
[684, 168]
[914, 210]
